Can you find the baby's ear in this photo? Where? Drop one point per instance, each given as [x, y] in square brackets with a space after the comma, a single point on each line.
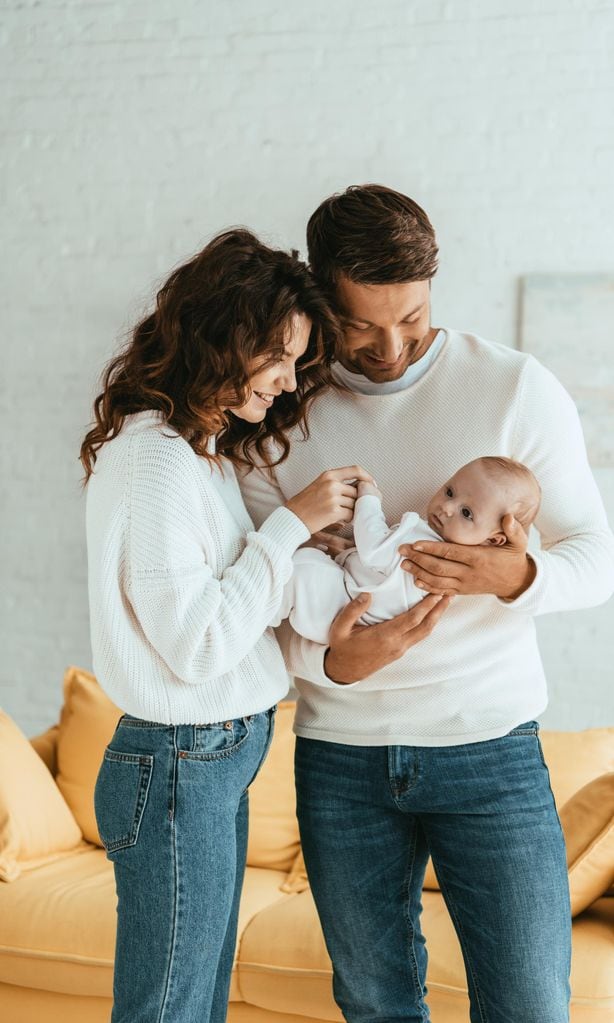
[497, 540]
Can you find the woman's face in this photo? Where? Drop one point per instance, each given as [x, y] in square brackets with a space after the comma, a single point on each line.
[267, 383]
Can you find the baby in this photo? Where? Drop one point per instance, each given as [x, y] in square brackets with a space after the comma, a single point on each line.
[466, 510]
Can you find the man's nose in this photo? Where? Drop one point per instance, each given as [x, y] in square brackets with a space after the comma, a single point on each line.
[390, 344]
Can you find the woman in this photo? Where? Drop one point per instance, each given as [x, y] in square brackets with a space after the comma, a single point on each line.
[182, 589]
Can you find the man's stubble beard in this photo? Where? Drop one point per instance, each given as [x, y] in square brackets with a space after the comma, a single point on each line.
[415, 350]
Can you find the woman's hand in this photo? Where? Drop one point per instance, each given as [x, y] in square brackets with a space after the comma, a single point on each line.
[330, 498]
[329, 542]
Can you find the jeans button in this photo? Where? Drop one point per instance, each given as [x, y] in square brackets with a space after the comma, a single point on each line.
[228, 725]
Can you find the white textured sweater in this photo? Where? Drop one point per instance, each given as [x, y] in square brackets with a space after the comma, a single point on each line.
[479, 673]
[181, 585]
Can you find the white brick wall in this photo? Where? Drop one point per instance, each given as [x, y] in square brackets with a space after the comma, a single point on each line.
[134, 130]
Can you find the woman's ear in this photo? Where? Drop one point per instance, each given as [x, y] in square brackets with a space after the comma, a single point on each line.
[497, 540]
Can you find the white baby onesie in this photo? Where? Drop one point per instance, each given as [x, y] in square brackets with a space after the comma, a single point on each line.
[320, 587]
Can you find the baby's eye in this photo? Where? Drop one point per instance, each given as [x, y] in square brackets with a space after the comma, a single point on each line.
[449, 492]
[467, 513]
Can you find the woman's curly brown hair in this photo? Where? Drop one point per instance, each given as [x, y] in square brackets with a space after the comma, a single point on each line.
[191, 358]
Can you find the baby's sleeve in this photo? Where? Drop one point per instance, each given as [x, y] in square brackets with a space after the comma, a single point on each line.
[377, 543]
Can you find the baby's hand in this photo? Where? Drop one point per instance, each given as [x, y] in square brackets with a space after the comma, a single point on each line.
[370, 489]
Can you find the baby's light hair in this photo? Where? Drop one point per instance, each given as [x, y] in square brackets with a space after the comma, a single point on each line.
[527, 505]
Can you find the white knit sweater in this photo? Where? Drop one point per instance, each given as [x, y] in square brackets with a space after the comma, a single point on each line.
[479, 673]
[181, 586]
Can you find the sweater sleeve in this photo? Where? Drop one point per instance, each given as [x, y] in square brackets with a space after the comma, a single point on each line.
[372, 534]
[261, 491]
[303, 658]
[200, 623]
[575, 566]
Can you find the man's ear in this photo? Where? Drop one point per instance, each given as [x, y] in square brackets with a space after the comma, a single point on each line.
[497, 540]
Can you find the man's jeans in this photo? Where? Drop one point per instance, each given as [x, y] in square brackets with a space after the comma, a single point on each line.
[370, 816]
[171, 805]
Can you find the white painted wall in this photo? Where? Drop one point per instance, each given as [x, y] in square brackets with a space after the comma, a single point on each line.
[132, 131]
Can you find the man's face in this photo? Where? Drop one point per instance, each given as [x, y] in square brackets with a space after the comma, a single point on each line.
[386, 327]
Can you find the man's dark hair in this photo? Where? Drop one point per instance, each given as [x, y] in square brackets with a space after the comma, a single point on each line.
[372, 235]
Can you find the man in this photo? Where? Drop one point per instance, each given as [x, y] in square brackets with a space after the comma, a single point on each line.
[418, 735]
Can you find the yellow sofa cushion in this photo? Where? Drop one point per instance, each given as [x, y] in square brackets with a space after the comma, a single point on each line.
[35, 822]
[588, 823]
[283, 962]
[273, 834]
[57, 924]
[87, 723]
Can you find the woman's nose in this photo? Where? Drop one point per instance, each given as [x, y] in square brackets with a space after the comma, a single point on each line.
[288, 381]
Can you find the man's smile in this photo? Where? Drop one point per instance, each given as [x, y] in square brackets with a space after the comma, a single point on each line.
[382, 364]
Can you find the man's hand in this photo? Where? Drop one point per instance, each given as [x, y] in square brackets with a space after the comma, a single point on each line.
[358, 650]
[456, 568]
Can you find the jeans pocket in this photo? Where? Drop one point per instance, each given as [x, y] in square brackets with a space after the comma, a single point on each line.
[120, 797]
[213, 742]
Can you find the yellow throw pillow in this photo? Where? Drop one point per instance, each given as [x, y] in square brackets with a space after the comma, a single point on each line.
[35, 823]
[273, 834]
[575, 758]
[588, 825]
[45, 745]
[87, 724]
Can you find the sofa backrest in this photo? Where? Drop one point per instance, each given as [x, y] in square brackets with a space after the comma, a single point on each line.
[73, 751]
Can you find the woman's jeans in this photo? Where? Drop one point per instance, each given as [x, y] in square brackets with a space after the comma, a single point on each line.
[370, 816]
[171, 805]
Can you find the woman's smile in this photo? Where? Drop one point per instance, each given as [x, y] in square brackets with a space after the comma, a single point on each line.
[266, 399]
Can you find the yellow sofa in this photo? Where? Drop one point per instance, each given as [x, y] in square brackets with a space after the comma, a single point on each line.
[57, 905]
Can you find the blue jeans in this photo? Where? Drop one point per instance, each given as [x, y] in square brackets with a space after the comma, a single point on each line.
[172, 809]
[370, 816]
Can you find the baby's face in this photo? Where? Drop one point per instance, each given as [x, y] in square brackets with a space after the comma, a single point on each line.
[468, 508]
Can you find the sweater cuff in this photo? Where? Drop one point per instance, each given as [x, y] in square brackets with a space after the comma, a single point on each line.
[313, 654]
[304, 658]
[285, 529]
[529, 601]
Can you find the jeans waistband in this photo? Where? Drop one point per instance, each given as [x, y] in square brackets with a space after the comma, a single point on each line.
[130, 721]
